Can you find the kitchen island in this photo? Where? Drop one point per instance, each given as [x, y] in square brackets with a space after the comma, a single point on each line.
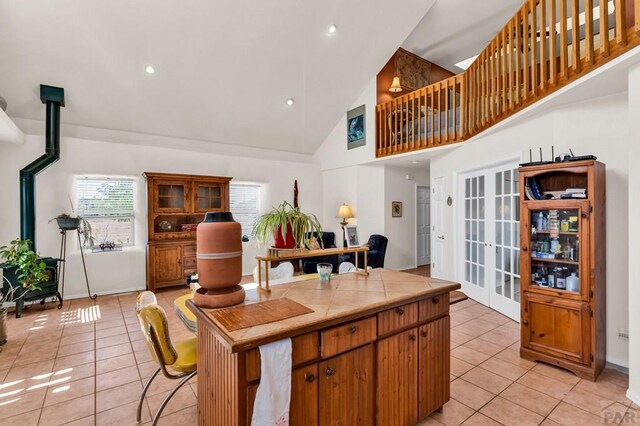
[375, 350]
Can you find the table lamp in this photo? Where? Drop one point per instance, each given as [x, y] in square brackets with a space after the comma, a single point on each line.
[344, 213]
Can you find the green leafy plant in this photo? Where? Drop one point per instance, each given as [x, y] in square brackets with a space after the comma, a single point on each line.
[86, 232]
[31, 270]
[277, 220]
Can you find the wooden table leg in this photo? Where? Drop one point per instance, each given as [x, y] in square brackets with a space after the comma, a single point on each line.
[259, 273]
[366, 258]
[356, 256]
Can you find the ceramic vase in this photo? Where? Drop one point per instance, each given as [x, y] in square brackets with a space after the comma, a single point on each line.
[219, 252]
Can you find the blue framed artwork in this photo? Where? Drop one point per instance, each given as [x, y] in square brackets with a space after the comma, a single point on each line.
[356, 127]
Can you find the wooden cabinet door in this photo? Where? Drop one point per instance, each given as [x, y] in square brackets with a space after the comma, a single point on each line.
[433, 366]
[304, 396]
[168, 263]
[556, 327]
[397, 375]
[171, 196]
[209, 197]
[347, 388]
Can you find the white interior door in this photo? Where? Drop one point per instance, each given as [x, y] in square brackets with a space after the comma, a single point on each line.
[423, 227]
[437, 236]
[489, 245]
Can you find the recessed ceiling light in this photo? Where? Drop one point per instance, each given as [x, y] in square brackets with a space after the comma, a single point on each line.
[332, 28]
[149, 69]
[290, 101]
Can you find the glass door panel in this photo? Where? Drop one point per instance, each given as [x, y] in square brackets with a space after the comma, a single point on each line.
[171, 197]
[208, 197]
[555, 249]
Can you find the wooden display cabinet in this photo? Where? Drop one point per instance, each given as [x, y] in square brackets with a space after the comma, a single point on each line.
[174, 200]
[563, 268]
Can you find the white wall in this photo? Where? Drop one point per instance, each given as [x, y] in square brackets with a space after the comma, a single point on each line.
[598, 127]
[634, 237]
[119, 271]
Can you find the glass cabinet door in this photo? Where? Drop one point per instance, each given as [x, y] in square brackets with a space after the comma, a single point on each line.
[556, 246]
[171, 197]
[208, 197]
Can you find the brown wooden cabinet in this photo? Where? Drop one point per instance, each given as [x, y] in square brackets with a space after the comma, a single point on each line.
[563, 267]
[434, 365]
[175, 204]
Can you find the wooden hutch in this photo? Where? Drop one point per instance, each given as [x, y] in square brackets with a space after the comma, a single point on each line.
[563, 267]
[175, 205]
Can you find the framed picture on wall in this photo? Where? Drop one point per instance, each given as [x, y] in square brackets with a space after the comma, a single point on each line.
[396, 209]
[356, 128]
[352, 236]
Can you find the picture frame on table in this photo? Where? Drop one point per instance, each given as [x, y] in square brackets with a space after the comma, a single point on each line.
[396, 209]
[352, 236]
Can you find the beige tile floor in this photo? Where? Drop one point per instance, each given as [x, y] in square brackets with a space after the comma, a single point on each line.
[85, 364]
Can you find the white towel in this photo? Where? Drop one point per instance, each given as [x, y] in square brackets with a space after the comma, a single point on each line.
[271, 407]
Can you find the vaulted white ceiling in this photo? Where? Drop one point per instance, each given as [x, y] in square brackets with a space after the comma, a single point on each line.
[455, 30]
[224, 69]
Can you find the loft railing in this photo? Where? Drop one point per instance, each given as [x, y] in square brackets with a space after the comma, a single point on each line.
[531, 57]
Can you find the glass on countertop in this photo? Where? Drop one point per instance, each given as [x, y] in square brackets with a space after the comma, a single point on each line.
[324, 271]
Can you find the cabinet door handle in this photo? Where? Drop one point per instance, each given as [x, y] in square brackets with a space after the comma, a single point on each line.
[525, 249]
[353, 329]
[309, 378]
[435, 300]
[400, 311]
[413, 337]
[179, 261]
[329, 372]
[525, 322]
[424, 333]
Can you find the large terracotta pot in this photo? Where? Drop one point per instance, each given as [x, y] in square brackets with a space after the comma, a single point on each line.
[219, 245]
[281, 243]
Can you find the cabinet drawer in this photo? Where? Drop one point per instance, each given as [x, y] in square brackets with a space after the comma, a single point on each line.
[189, 262]
[304, 348]
[189, 250]
[347, 336]
[397, 318]
[434, 307]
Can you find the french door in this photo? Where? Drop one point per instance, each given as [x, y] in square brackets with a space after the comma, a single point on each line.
[490, 238]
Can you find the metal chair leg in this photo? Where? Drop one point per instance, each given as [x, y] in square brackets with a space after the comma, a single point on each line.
[168, 397]
[144, 392]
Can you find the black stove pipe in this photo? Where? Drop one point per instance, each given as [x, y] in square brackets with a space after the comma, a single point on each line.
[53, 97]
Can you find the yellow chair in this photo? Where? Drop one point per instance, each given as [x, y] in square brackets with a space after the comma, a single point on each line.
[181, 358]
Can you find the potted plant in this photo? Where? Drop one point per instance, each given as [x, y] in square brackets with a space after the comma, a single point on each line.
[23, 271]
[69, 222]
[287, 225]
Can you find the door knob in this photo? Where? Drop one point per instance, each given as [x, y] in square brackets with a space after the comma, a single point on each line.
[329, 372]
[400, 311]
[441, 237]
[412, 337]
[353, 329]
[309, 378]
[424, 333]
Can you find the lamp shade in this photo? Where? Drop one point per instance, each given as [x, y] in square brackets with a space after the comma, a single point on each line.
[344, 212]
[395, 85]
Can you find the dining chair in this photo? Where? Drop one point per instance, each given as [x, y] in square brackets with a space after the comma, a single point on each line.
[177, 362]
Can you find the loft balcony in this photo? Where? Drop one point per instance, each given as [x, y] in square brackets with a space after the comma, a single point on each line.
[546, 45]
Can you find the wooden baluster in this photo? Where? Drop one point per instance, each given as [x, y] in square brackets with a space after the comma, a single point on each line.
[605, 48]
[510, 61]
[518, 52]
[525, 49]
[534, 46]
[432, 103]
[553, 68]
[636, 12]
[403, 125]
[588, 30]
[463, 105]
[575, 35]
[543, 44]
[411, 119]
[396, 136]
[378, 135]
[503, 64]
[564, 71]
[444, 91]
[454, 100]
[621, 22]
[491, 87]
[419, 118]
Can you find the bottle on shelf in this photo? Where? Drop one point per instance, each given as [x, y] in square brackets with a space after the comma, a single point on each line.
[567, 250]
[540, 222]
[573, 282]
[560, 279]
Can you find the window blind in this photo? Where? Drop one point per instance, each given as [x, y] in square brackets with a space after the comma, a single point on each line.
[244, 201]
[107, 204]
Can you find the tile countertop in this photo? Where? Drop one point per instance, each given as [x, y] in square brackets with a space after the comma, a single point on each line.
[344, 298]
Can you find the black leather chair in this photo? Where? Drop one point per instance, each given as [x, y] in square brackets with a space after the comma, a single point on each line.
[377, 249]
[310, 265]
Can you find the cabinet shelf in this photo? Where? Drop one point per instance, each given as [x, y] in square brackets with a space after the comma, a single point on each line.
[561, 261]
[575, 233]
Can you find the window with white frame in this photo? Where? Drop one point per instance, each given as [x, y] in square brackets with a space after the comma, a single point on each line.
[244, 200]
[107, 204]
